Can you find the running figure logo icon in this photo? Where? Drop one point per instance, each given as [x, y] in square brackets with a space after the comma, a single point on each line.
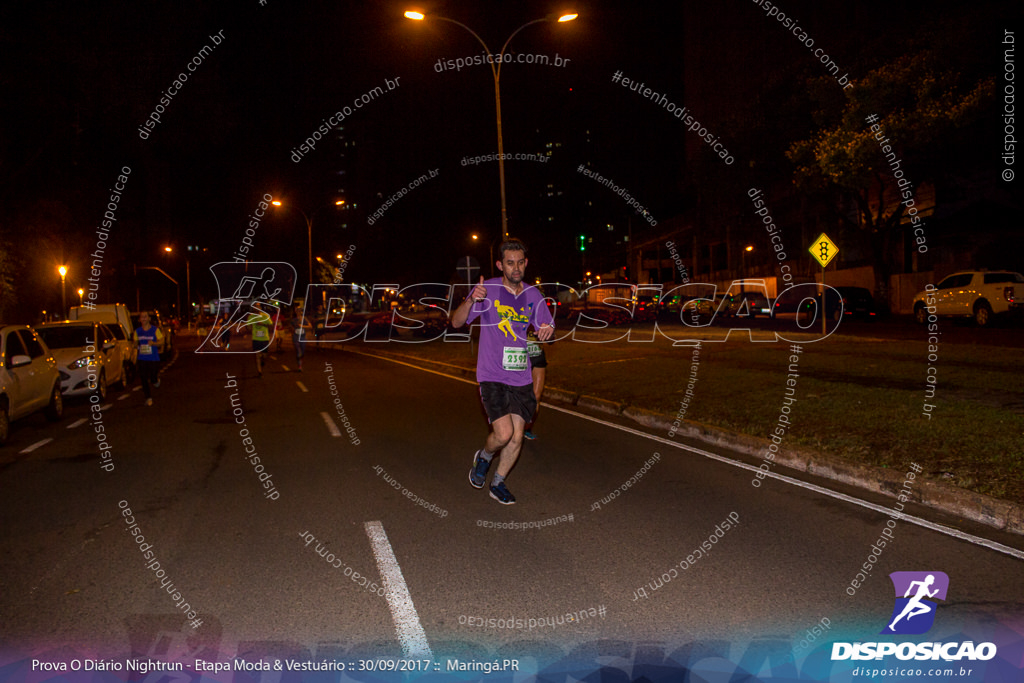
[914, 613]
[258, 291]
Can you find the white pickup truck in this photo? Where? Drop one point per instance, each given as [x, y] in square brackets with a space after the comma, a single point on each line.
[977, 294]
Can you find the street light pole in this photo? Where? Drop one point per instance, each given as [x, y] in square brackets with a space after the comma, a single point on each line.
[496, 72]
[177, 287]
[309, 232]
[63, 270]
[743, 263]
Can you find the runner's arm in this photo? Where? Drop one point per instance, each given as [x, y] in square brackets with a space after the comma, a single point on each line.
[461, 313]
[542, 315]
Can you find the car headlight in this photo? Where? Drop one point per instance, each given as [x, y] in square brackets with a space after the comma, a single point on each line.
[81, 362]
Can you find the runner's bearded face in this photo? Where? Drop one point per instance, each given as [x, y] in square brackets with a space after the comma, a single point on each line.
[513, 267]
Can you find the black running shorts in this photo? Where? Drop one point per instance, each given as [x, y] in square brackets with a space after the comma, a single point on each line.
[501, 399]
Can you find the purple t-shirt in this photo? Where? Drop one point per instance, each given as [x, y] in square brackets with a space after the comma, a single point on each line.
[504, 319]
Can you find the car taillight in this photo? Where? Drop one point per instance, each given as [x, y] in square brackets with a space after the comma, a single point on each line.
[1008, 293]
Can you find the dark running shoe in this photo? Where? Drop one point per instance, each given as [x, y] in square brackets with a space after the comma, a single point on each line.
[478, 473]
[501, 494]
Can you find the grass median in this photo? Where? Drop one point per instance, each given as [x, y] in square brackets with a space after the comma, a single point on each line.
[857, 399]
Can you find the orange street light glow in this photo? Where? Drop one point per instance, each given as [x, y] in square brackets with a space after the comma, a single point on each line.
[276, 202]
[567, 17]
[418, 16]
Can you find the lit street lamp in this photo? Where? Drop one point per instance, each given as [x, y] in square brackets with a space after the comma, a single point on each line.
[63, 270]
[81, 296]
[496, 72]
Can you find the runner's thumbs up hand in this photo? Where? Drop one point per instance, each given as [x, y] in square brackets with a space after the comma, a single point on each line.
[480, 292]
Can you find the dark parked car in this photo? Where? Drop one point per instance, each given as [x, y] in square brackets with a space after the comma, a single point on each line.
[857, 302]
[749, 304]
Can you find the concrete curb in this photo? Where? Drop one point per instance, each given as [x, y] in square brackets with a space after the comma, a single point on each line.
[976, 507]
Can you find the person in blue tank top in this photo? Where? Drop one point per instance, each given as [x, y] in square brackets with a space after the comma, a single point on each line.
[149, 339]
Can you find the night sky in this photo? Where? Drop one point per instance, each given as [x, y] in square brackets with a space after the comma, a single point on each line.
[79, 80]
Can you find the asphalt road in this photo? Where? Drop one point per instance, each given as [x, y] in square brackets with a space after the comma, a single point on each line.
[249, 566]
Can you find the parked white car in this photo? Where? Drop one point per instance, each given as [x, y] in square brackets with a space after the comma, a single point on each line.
[119, 320]
[83, 348]
[977, 294]
[29, 380]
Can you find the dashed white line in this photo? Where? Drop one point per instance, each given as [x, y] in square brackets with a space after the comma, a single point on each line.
[122, 397]
[77, 423]
[37, 444]
[410, 633]
[331, 427]
[302, 386]
[285, 367]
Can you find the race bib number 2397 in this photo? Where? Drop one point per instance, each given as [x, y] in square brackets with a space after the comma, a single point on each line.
[513, 359]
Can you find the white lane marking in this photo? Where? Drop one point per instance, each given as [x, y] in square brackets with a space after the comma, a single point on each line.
[955, 533]
[416, 367]
[136, 388]
[410, 633]
[122, 397]
[285, 367]
[106, 406]
[37, 444]
[331, 427]
[77, 423]
[302, 386]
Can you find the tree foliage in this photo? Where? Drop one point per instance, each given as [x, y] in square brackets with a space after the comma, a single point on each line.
[921, 105]
[8, 271]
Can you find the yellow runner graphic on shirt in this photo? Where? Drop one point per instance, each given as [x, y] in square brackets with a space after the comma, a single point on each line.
[507, 314]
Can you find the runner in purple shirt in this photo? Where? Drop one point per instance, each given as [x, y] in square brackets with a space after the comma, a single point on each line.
[506, 309]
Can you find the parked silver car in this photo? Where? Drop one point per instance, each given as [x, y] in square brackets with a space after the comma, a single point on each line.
[83, 348]
[29, 380]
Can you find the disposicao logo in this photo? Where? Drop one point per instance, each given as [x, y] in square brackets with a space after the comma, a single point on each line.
[914, 612]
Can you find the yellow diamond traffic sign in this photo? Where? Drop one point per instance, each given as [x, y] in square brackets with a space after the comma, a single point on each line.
[823, 250]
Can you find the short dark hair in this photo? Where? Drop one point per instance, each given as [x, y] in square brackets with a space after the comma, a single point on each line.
[511, 244]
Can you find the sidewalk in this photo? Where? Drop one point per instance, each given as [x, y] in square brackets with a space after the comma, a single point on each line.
[856, 409]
